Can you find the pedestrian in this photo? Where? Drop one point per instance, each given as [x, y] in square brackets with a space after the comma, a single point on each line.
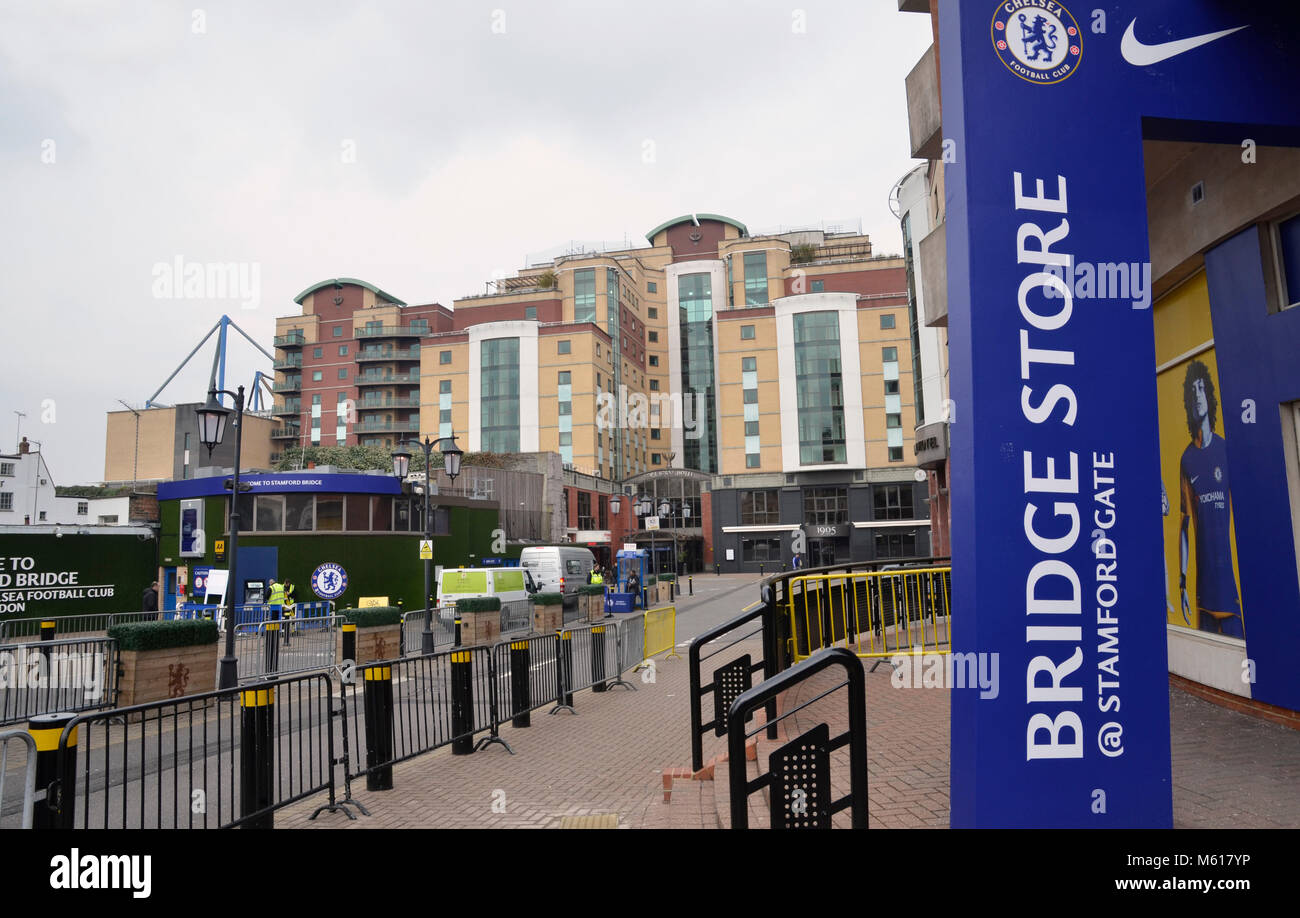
[634, 587]
[798, 561]
[289, 609]
[150, 598]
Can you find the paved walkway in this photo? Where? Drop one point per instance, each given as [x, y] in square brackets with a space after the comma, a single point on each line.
[607, 763]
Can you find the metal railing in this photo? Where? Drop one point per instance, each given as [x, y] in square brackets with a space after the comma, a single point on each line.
[283, 646]
[516, 616]
[71, 674]
[18, 814]
[26, 629]
[732, 679]
[798, 777]
[393, 331]
[219, 759]
[881, 614]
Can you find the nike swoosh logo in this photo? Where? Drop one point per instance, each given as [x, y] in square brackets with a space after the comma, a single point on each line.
[1192, 480]
[1142, 55]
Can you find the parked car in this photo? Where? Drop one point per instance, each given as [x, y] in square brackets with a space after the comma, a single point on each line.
[558, 568]
[509, 584]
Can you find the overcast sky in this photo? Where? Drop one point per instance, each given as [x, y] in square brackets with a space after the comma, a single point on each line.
[419, 146]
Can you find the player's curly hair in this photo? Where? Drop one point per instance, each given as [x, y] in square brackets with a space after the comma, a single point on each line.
[1195, 371]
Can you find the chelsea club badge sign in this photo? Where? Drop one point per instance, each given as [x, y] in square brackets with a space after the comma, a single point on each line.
[1038, 40]
[329, 580]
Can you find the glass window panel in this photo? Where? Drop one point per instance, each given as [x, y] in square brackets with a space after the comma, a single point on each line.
[299, 515]
[381, 515]
[329, 514]
[358, 513]
[270, 512]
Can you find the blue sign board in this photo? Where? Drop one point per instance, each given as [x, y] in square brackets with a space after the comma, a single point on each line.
[283, 483]
[1056, 532]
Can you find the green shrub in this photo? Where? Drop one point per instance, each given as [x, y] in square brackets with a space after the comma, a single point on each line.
[479, 604]
[667, 578]
[164, 635]
[373, 617]
[650, 580]
[591, 589]
[548, 599]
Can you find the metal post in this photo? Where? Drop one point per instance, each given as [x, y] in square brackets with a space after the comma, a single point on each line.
[47, 630]
[257, 756]
[57, 774]
[566, 668]
[690, 581]
[271, 646]
[598, 658]
[229, 676]
[426, 638]
[520, 689]
[379, 727]
[462, 699]
[349, 643]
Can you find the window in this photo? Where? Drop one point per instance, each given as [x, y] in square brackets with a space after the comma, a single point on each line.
[566, 378]
[584, 295]
[826, 506]
[895, 545]
[317, 376]
[818, 287]
[566, 408]
[751, 428]
[343, 350]
[654, 360]
[760, 550]
[597, 348]
[585, 520]
[420, 325]
[444, 387]
[1287, 244]
[751, 396]
[338, 331]
[891, 387]
[444, 357]
[343, 372]
[654, 433]
[893, 421]
[83, 508]
[747, 333]
[819, 388]
[499, 390]
[653, 311]
[318, 352]
[896, 454]
[7, 468]
[752, 460]
[315, 399]
[749, 364]
[889, 354]
[654, 385]
[564, 347]
[893, 502]
[6, 500]
[566, 438]
[654, 336]
[759, 508]
[651, 287]
[887, 320]
[755, 278]
[530, 312]
[599, 381]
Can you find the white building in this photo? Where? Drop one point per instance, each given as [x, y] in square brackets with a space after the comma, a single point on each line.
[27, 496]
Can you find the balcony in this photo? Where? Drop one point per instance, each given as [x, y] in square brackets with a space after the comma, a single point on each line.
[924, 120]
[378, 426]
[287, 409]
[393, 331]
[412, 401]
[390, 379]
[292, 384]
[293, 339]
[290, 362]
[388, 353]
[291, 432]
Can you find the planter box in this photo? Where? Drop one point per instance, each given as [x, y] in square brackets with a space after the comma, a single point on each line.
[382, 642]
[592, 607]
[480, 628]
[155, 675]
[548, 618]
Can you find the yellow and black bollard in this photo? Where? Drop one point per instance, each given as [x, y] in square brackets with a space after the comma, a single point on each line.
[521, 696]
[462, 699]
[598, 658]
[47, 630]
[379, 727]
[271, 647]
[57, 774]
[349, 643]
[257, 756]
[690, 582]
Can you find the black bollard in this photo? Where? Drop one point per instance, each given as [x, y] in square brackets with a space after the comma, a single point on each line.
[257, 756]
[60, 805]
[271, 648]
[379, 727]
[690, 582]
[47, 630]
[717, 569]
[520, 689]
[349, 643]
[462, 699]
[598, 658]
[566, 668]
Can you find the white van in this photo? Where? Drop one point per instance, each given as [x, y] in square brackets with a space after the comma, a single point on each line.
[509, 584]
[558, 569]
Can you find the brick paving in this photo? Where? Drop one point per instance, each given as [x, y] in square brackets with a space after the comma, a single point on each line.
[1229, 770]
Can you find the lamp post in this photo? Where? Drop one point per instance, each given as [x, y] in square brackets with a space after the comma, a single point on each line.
[451, 465]
[615, 505]
[212, 428]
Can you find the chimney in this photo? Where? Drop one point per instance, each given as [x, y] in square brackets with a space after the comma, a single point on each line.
[24, 447]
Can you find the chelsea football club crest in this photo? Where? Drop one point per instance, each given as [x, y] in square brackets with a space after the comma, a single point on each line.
[329, 580]
[1038, 40]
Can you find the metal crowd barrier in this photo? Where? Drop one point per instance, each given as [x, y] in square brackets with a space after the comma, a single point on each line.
[661, 631]
[881, 613]
[411, 640]
[219, 759]
[734, 677]
[631, 631]
[73, 674]
[22, 629]
[517, 616]
[18, 813]
[284, 646]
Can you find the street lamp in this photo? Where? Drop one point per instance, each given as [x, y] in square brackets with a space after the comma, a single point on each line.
[212, 428]
[451, 465]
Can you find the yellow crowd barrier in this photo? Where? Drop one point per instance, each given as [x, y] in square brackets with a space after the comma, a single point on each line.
[872, 613]
[661, 632]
